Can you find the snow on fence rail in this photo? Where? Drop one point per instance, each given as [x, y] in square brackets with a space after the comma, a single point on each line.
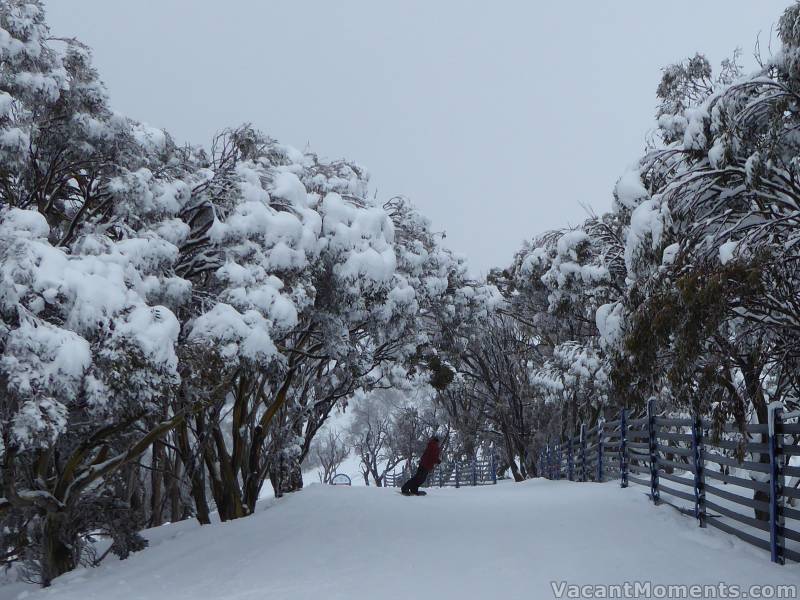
[680, 459]
[451, 473]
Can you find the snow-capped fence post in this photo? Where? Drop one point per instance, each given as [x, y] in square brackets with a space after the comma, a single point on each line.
[493, 467]
[570, 465]
[583, 452]
[651, 438]
[698, 463]
[776, 483]
[474, 472]
[600, 450]
[623, 449]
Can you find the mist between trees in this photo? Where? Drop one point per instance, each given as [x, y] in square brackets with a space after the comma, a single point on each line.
[180, 322]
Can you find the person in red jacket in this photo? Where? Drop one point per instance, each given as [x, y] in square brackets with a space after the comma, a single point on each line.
[430, 458]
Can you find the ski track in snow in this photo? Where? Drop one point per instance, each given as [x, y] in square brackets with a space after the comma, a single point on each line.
[507, 541]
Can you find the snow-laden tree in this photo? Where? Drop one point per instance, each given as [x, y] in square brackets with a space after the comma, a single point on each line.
[178, 323]
[87, 351]
[320, 292]
[708, 321]
[390, 428]
[542, 367]
[719, 309]
[328, 452]
[369, 434]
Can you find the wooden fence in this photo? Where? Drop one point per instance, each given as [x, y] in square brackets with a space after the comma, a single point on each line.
[736, 483]
[451, 473]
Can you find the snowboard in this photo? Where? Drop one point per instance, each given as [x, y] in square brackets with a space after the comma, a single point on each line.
[419, 493]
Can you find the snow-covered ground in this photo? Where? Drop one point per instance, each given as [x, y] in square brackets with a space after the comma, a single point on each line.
[504, 541]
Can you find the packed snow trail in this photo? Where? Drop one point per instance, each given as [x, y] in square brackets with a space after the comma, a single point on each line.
[504, 541]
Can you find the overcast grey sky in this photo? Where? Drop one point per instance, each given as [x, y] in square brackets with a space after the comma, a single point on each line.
[500, 120]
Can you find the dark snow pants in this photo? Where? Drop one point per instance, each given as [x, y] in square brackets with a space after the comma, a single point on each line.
[412, 485]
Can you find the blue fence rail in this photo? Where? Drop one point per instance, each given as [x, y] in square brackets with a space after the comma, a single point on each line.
[451, 473]
[734, 481]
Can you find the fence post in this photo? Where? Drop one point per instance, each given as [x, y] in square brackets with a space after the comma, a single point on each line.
[441, 477]
[623, 448]
[776, 482]
[651, 434]
[570, 465]
[474, 472]
[458, 482]
[493, 467]
[600, 422]
[699, 467]
[583, 452]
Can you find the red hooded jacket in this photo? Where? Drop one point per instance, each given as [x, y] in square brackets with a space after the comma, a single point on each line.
[431, 456]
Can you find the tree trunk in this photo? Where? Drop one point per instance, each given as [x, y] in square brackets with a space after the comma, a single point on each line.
[58, 551]
[277, 482]
[523, 458]
[177, 509]
[198, 492]
[228, 495]
[156, 477]
[194, 469]
[510, 452]
[751, 373]
[294, 478]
